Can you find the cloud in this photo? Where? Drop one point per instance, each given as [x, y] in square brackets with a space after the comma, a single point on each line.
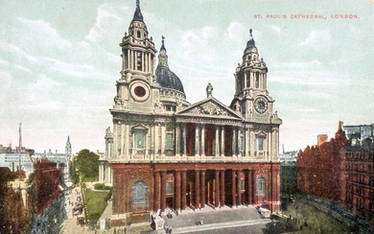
[85, 71]
[16, 52]
[3, 62]
[196, 43]
[276, 28]
[315, 37]
[42, 32]
[105, 21]
[5, 80]
[236, 31]
[22, 68]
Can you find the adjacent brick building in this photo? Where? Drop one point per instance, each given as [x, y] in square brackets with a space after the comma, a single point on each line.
[338, 170]
[358, 182]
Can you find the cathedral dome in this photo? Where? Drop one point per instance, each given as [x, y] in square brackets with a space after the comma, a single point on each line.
[164, 76]
[167, 79]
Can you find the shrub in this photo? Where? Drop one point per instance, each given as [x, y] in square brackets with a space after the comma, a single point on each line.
[102, 187]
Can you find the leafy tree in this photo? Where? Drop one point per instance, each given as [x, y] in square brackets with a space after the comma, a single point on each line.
[87, 165]
[73, 174]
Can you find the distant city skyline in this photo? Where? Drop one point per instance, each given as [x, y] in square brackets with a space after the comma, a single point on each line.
[59, 62]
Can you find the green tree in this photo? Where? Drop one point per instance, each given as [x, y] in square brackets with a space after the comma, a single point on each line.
[87, 165]
[73, 174]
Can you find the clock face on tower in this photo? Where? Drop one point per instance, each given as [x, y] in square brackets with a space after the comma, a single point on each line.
[261, 105]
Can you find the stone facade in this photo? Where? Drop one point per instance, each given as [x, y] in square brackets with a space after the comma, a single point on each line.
[105, 171]
[168, 153]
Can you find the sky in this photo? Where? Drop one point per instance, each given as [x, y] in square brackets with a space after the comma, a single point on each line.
[59, 61]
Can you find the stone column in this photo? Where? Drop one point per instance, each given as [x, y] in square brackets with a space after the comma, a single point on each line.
[178, 190]
[147, 62]
[185, 139]
[177, 141]
[184, 189]
[203, 192]
[217, 200]
[203, 140]
[152, 147]
[240, 143]
[197, 189]
[148, 145]
[101, 173]
[157, 190]
[253, 143]
[197, 143]
[238, 187]
[127, 140]
[142, 61]
[122, 143]
[157, 143]
[233, 188]
[115, 141]
[133, 60]
[222, 141]
[252, 77]
[163, 190]
[265, 81]
[245, 79]
[247, 143]
[128, 59]
[217, 142]
[223, 187]
[163, 133]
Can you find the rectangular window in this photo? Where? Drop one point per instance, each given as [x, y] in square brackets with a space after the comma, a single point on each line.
[139, 140]
[260, 143]
[257, 80]
[169, 188]
[169, 141]
[241, 144]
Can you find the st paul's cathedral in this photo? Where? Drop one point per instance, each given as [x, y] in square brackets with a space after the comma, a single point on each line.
[165, 152]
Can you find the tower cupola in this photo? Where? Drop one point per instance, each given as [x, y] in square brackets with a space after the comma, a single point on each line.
[164, 76]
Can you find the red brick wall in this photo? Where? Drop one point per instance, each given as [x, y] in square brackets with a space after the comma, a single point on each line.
[319, 169]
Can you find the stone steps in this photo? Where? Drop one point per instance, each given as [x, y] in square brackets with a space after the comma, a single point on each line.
[213, 226]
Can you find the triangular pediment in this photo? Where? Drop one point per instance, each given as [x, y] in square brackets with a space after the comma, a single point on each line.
[210, 107]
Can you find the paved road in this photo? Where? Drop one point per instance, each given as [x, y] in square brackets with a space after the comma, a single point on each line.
[70, 224]
[253, 229]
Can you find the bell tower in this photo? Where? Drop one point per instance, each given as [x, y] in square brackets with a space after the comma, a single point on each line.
[138, 49]
[137, 73]
[251, 97]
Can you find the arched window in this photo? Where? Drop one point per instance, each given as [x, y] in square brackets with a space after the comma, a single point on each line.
[138, 34]
[261, 186]
[139, 196]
